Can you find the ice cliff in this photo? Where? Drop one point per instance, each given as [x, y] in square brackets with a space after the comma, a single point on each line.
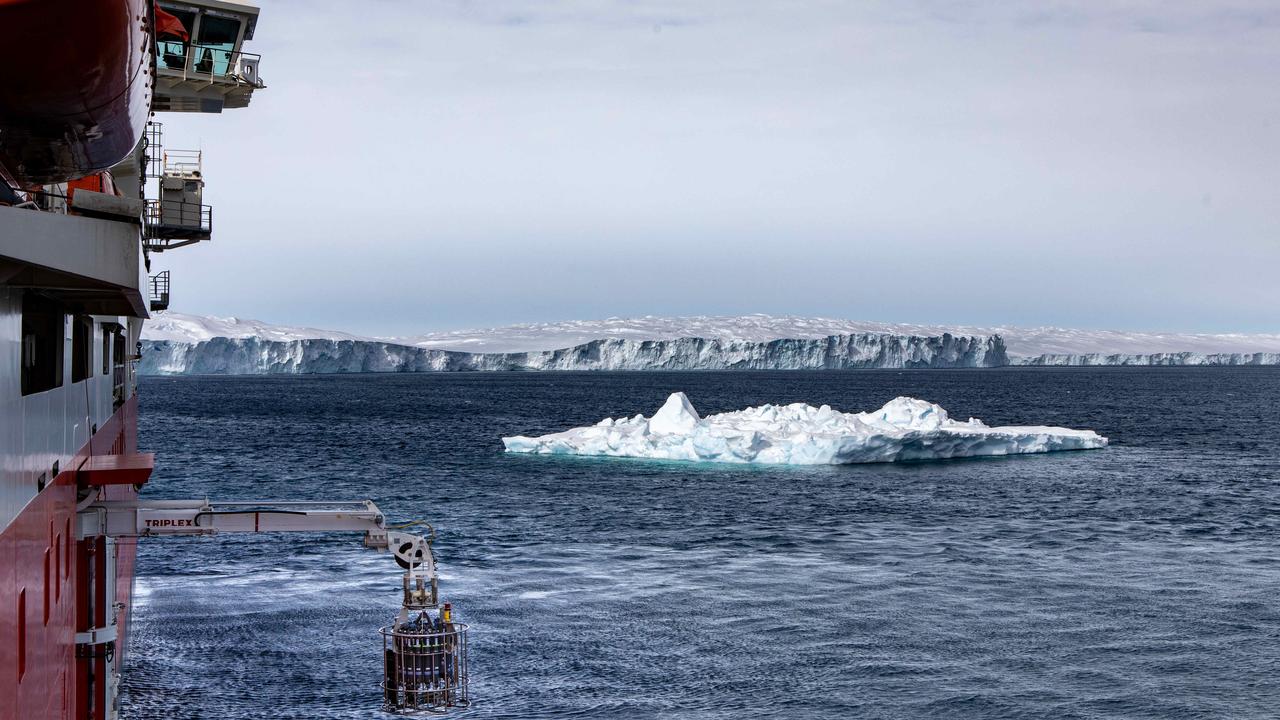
[1027, 342]
[1149, 359]
[903, 429]
[255, 355]
[175, 343]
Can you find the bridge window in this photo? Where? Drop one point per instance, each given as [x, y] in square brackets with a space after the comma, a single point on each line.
[106, 350]
[171, 49]
[216, 43]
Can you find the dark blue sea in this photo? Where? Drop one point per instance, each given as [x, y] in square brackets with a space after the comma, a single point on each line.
[1139, 581]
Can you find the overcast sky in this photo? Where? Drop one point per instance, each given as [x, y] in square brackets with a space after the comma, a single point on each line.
[418, 166]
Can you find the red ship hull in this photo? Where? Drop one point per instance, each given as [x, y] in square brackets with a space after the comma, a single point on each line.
[79, 84]
[48, 582]
[77, 88]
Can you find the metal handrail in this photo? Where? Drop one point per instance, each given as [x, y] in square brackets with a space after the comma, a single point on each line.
[160, 290]
[169, 53]
[185, 215]
[160, 283]
[154, 148]
[182, 162]
[45, 200]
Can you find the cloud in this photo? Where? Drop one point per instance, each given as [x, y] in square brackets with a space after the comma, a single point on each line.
[417, 166]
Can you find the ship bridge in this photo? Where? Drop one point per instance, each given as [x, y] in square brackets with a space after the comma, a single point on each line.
[200, 63]
[201, 67]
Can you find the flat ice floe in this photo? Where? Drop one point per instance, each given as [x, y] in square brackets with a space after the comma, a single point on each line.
[904, 429]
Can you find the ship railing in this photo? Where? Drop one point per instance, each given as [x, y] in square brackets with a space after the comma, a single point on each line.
[208, 62]
[51, 198]
[160, 291]
[182, 162]
[56, 199]
[154, 149]
[169, 219]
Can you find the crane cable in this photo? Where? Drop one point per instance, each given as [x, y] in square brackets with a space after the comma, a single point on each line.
[416, 523]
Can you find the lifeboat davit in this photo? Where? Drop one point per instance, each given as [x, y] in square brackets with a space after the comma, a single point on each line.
[77, 88]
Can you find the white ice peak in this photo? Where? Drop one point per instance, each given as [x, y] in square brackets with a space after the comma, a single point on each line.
[798, 434]
[675, 417]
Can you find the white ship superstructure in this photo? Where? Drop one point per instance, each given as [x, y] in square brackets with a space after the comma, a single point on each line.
[88, 199]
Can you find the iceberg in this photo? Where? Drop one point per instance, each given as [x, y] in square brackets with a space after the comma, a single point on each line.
[905, 429]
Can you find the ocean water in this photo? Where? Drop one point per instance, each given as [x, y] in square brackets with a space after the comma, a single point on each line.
[1139, 581]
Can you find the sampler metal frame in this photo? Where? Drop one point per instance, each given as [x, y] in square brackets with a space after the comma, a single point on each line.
[424, 670]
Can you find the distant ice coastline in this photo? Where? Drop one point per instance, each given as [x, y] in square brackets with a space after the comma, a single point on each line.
[177, 344]
[904, 429]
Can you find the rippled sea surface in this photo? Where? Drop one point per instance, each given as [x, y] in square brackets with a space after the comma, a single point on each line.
[1139, 581]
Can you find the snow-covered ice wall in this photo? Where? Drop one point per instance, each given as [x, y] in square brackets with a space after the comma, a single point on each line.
[255, 355]
[904, 429]
[176, 343]
[1148, 359]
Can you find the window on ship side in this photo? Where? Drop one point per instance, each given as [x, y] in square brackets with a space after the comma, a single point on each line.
[81, 348]
[43, 338]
